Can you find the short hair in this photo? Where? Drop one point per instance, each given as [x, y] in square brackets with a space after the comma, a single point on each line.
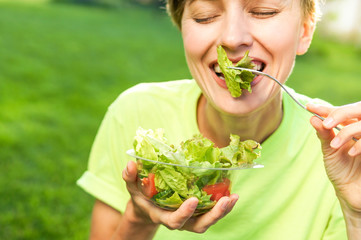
[175, 8]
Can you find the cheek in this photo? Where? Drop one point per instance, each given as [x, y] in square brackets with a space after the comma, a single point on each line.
[286, 41]
[280, 37]
[196, 39]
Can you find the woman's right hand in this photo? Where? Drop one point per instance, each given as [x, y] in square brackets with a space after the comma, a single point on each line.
[140, 210]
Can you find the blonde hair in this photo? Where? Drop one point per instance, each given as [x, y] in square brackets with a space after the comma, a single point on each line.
[175, 8]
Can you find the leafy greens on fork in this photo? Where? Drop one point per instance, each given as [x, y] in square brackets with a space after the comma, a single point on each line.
[236, 80]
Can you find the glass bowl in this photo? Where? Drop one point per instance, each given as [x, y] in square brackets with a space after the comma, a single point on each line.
[168, 185]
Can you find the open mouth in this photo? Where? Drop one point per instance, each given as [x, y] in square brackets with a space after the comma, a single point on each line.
[259, 66]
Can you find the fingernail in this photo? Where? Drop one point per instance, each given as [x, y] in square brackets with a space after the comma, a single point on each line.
[335, 143]
[235, 200]
[126, 170]
[225, 205]
[328, 122]
[232, 202]
[313, 105]
[352, 151]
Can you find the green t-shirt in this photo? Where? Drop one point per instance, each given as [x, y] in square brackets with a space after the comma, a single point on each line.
[290, 198]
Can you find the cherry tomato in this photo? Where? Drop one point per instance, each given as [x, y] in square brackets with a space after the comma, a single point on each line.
[218, 190]
[148, 186]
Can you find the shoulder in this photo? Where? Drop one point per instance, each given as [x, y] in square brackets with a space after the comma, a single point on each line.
[159, 89]
[147, 97]
[306, 99]
[296, 118]
[156, 90]
[292, 107]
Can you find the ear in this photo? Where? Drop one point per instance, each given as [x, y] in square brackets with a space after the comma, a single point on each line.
[306, 34]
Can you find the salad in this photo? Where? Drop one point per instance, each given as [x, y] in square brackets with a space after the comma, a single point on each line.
[168, 174]
[236, 80]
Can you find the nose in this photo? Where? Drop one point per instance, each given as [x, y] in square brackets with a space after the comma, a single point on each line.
[236, 32]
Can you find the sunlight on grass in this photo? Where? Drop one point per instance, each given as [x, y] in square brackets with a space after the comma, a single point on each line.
[25, 1]
[62, 65]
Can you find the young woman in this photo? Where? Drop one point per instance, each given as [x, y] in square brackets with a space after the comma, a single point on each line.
[310, 187]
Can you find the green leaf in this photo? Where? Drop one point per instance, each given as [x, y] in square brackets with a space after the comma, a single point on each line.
[159, 182]
[173, 201]
[238, 152]
[163, 195]
[199, 155]
[197, 148]
[174, 180]
[144, 143]
[236, 80]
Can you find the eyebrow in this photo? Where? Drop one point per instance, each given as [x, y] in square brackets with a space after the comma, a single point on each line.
[203, 0]
[282, 2]
[245, 1]
[248, 1]
[192, 1]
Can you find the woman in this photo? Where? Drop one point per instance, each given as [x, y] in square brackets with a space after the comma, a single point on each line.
[292, 197]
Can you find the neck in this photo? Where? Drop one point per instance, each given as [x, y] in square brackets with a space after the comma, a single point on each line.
[257, 125]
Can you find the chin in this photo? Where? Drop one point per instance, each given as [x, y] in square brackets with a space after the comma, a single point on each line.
[235, 106]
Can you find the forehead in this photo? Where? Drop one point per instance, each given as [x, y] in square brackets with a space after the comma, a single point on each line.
[244, 1]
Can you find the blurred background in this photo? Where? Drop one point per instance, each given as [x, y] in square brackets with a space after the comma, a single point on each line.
[63, 62]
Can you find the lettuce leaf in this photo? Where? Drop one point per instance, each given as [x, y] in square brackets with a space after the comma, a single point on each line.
[175, 180]
[238, 152]
[175, 184]
[173, 201]
[236, 80]
[148, 142]
[197, 149]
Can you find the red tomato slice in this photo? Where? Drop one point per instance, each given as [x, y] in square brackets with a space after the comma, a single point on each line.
[148, 186]
[218, 190]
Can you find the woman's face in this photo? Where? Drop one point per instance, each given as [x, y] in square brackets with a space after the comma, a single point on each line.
[272, 30]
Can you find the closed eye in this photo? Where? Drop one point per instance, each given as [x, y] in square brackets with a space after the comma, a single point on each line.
[264, 14]
[205, 20]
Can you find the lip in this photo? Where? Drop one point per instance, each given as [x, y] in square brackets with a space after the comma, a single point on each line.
[256, 80]
[219, 81]
[222, 83]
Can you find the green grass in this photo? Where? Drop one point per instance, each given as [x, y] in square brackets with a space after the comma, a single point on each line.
[61, 66]
[330, 71]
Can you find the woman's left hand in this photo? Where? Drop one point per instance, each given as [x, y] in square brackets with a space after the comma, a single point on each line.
[342, 154]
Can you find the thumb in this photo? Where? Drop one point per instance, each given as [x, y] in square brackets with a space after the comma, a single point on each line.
[325, 135]
[130, 177]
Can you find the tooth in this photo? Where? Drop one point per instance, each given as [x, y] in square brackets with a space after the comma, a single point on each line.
[217, 69]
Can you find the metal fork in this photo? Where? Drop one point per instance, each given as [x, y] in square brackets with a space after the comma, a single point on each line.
[285, 89]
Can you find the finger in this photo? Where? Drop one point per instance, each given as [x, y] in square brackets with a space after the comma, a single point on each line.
[325, 135]
[346, 134]
[130, 176]
[343, 114]
[234, 198]
[355, 150]
[206, 220]
[324, 111]
[321, 110]
[177, 219]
